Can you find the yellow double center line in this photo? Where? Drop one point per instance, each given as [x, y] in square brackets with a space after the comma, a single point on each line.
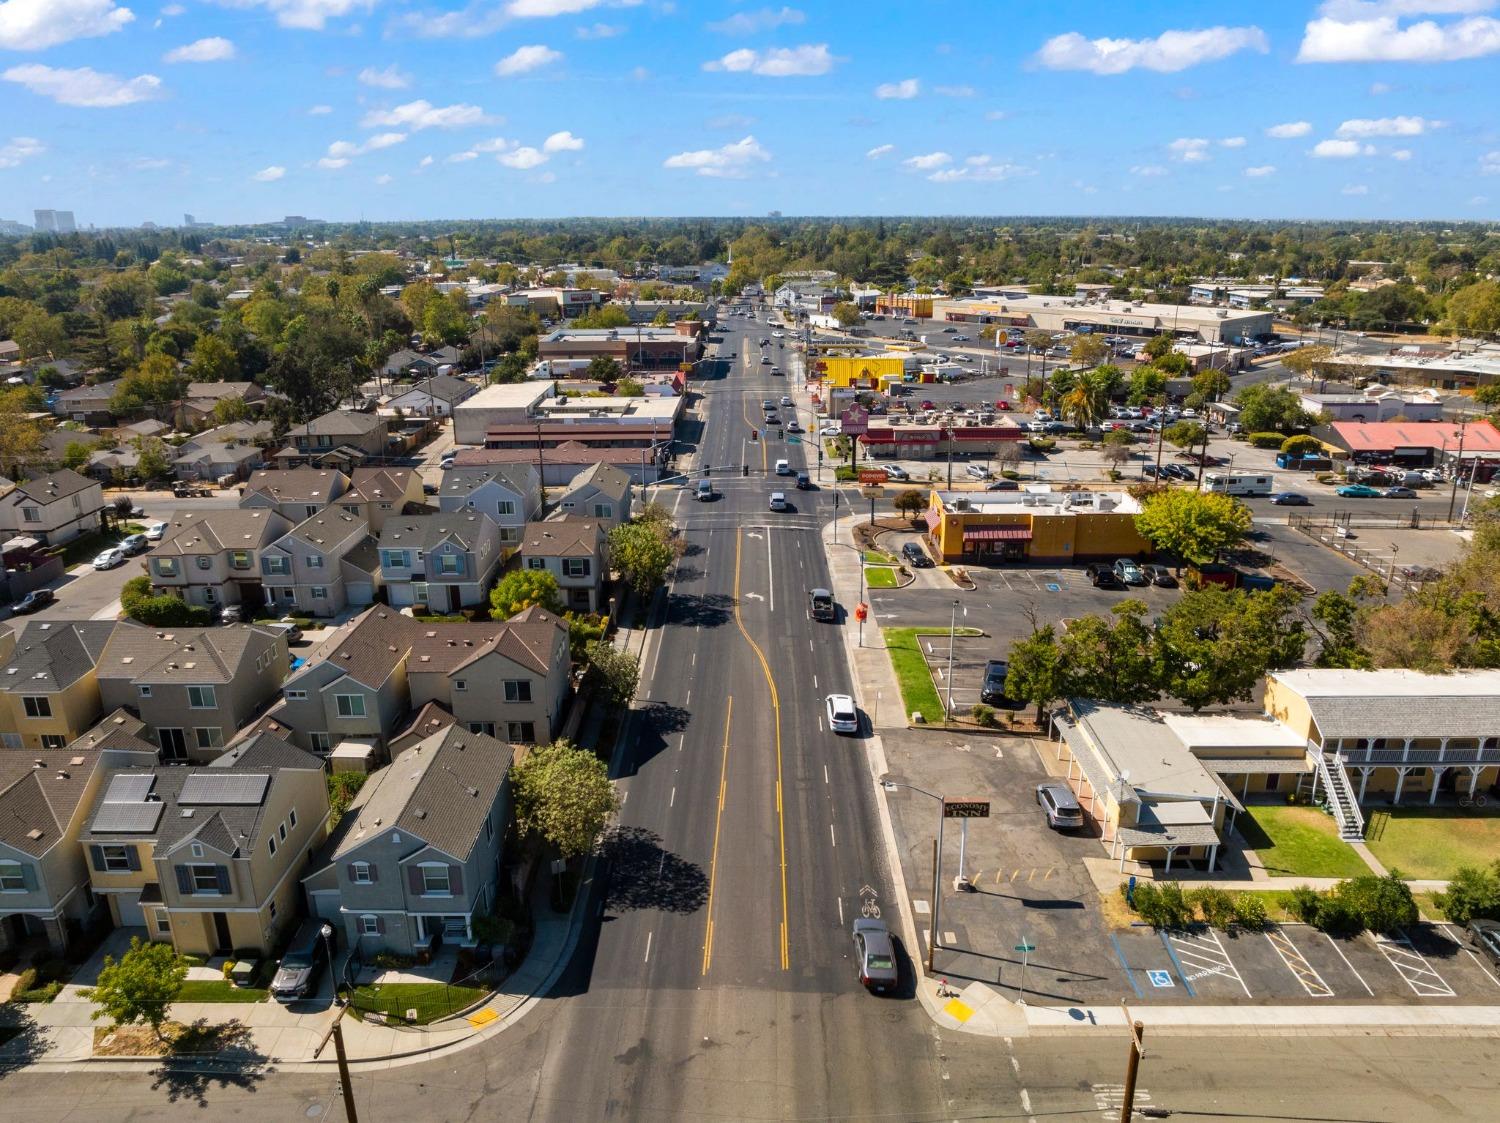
[713, 866]
[776, 717]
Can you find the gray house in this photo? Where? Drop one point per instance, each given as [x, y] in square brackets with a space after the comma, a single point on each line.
[445, 561]
[54, 508]
[600, 492]
[294, 493]
[511, 494]
[415, 859]
[572, 550]
[303, 570]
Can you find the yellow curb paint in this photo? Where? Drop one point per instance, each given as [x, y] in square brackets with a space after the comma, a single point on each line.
[958, 1011]
[482, 1018]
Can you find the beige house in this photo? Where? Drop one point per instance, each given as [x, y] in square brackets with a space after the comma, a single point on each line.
[49, 689]
[378, 494]
[293, 493]
[194, 689]
[200, 399]
[302, 572]
[53, 509]
[572, 550]
[341, 437]
[212, 558]
[600, 492]
[208, 858]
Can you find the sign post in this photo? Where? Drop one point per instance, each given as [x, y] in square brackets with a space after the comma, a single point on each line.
[1025, 948]
[964, 810]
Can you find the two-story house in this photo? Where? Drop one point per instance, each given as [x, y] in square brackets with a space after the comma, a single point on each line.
[509, 679]
[414, 860]
[303, 571]
[511, 494]
[194, 689]
[54, 508]
[600, 492]
[45, 796]
[88, 404]
[433, 397]
[49, 689]
[446, 561]
[200, 399]
[293, 493]
[218, 460]
[340, 437]
[377, 494]
[572, 550]
[212, 558]
[208, 858]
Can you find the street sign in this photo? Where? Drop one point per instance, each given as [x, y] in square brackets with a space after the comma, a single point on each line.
[855, 421]
[872, 492]
[1025, 949]
[873, 475]
[966, 809]
[793, 440]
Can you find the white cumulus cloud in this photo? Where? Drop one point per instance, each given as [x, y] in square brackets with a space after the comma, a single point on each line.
[269, 175]
[980, 169]
[900, 91]
[340, 152]
[306, 15]
[778, 62]
[1402, 154]
[1341, 149]
[1387, 126]
[880, 150]
[1260, 171]
[1189, 149]
[928, 162]
[1232, 142]
[1149, 171]
[523, 158]
[523, 60]
[84, 87]
[1489, 163]
[729, 161]
[462, 157]
[19, 150]
[1169, 52]
[1381, 38]
[382, 180]
[954, 91]
[422, 114]
[599, 31]
[213, 49]
[390, 78]
[319, 110]
[34, 25]
[763, 19]
[1289, 130]
[562, 142]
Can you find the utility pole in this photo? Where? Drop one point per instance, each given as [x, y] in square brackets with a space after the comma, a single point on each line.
[952, 632]
[1132, 1066]
[338, 1047]
[932, 932]
[1459, 467]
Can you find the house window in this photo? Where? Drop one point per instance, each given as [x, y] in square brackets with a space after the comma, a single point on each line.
[536, 563]
[522, 731]
[419, 591]
[320, 592]
[517, 690]
[272, 910]
[116, 859]
[11, 879]
[350, 705]
[209, 738]
[308, 511]
[320, 743]
[604, 511]
[145, 691]
[369, 925]
[314, 561]
[163, 922]
[450, 563]
[485, 727]
[210, 594]
[197, 850]
[281, 831]
[273, 565]
[360, 873]
[510, 534]
[392, 559]
[1273, 781]
[37, 707]
[351, 509]
[435, 882]
[505, 507]
[239, 559]
[204, 879]
[271, 846]
[11, 741]
[575, 567]
[54, 741]
[165, 567]
[296, 696]
[31, 514]
[201, 698]
[291, 817]
[205, 562]
[460, 684]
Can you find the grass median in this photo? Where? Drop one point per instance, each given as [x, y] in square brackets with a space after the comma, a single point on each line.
[880, 577]
[919, 693]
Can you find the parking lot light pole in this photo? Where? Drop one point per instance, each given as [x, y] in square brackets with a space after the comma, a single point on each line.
[952, 631]
[937, 885]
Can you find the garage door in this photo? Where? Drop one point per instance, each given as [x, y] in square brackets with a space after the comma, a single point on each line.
[131, 913]
[325, 904]
[360, 592]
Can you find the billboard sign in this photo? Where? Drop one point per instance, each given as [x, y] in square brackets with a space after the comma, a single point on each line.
[855, 421]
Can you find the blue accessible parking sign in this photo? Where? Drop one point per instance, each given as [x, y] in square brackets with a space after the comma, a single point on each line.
[1160, 978]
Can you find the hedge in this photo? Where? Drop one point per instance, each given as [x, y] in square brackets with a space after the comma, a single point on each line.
[162, 610]
[1266, 440]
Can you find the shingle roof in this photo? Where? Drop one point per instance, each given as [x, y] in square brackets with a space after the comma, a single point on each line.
[121, 729]
[368, 647]
[220, 452]
[53, 654]
[425, 532]
[606, 477]
[1396, 703]
[55, 485]
[432, 718]
[462, 481]
[37, 804]
[370, 484]
[297, 485]
[327, 528]
[340, 422]
[218, 390]
[441, 791]
[100, 390]
[265, 750]
[560, 538]
[209, 655]
[443, 387]
[208, 532]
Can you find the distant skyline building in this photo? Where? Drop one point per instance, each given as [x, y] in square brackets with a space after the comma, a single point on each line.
[54, 222]
[12, 228]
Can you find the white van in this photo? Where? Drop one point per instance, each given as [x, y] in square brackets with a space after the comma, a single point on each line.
[778, 501]
[783, 468]
[705, 491]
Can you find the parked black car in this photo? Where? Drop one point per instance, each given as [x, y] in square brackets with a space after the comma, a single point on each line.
[915, 556]
[992, 693]
[303, 964]
[34, 601]
[1102, 576]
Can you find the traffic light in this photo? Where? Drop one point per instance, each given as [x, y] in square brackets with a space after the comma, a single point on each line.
[708, 471]
[744, 469]
[780, 433]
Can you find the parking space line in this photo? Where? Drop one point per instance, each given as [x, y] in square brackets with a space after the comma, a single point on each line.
[1447, 930]
[1172, 955]
[1129, 972]
[1345, 958]
[1297, 964]
[1206, 961]
[1412, 966]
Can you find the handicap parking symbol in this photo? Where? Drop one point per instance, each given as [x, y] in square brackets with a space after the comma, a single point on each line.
[1053, 587]
[1160, 978]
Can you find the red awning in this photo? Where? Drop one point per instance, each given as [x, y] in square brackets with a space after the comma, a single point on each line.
[997, 534]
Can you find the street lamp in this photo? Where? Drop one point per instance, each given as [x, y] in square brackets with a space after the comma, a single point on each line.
[952, 631]
[937, 859]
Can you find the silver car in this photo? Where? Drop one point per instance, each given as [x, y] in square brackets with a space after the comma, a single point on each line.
[874, 955]
[1061, 806]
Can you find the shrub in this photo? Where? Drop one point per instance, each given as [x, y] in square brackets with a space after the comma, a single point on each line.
[1473, 892]
[45, 993]
[1162, 906]
[984, 715]
[26, 980]
[1381, 904]
[1216, 905]
[52, 970]
[162, 610]
[1043, 444]
[1250, 911]
[843, 473]
[1303, 903]
[1335, 916]
[1266, 440]
[1009, 474]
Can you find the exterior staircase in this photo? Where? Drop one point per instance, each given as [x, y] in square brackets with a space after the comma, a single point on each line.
[1340, 795]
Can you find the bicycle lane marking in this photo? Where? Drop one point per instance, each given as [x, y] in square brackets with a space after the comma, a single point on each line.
[1412, 966]
[1129, 972]
[1176, 963]
[1297, 964]
[1447, 930]
[1206, 960]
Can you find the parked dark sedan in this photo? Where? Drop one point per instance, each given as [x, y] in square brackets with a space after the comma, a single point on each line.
[1291, 499]
[34, 601]
[1102, 576]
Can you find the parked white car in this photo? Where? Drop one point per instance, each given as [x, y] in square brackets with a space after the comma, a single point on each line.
[110, 558]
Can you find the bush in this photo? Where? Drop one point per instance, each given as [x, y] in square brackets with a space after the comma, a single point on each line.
[984, 715]
[161, 610]
[44, 993]
[26, 980]
[1303, 903]
[1266, 440]
[1043, 444]
[1381, 904]
[1336, 917]
[1250, 911]
[1009, 474]
[1301, 444]
[1473, 892]
[52, 970]
[843, 473]
[1216, 905]
[1162, 906]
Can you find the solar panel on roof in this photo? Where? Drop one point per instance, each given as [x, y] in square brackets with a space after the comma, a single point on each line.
[127, 818]
[235, 788]
[130, 787]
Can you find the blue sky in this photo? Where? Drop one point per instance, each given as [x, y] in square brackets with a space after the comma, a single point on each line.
[245, 110]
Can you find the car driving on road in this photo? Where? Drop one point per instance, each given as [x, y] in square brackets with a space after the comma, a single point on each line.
[1357, 491]
[34, 601]
[842, 716]
[1291, 499]
[874, 955]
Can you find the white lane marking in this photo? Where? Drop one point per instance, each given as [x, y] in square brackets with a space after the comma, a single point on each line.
[1025, 1099]
[673, 801]
[648, 948]
[688, 701]
[695, 658]
[920, 906]
[1447, 930]
[831, 837]
[825, 773]
[771, 566]
[1349, 965]
[815, 682]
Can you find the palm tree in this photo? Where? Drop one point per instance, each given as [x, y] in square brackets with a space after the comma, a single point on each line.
[1086, 404]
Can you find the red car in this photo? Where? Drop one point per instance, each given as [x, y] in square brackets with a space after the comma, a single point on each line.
[927, 404]
[1003, 405]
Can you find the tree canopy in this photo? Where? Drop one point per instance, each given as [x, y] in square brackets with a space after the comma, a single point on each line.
[1194, 526]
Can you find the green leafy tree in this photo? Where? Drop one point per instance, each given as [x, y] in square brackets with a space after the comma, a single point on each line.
[154, 463]
[1087, 351]
[563, 797]
[140, 986]
[1215, 645]
[342, 788]
[846, 314]
[662, 319]
[910, 502]
[1159, 346]
[520, 589]
[228, 410]
[616, 672]
[1184, 434]
[1175, 364]
[1088, 401]
[1147, 383]
[1110, 659]
[629, 388]
[154, 385]
[1475, 308]
[642, 552]
[320, 361]
[1473, 894]
[1303, 444]
[1037, 674]
[602, 368]
[1211, 384]
[1194, 526]
[605, 316]
[1038, 340]
[76, 455]
[213, 360]
[1265, 408]
[1116, 446]
[1336, 615]
[1305, 362]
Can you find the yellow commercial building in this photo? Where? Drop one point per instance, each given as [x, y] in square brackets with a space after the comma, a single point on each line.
[864, 372]
[905, 304]
[1054, 526]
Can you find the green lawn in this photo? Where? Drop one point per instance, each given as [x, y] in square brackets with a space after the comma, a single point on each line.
[918, 691]
[1298, 842]
[1432, 842]
[880, 577]
[219, 990]
[878, 557]
[430, 1000]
